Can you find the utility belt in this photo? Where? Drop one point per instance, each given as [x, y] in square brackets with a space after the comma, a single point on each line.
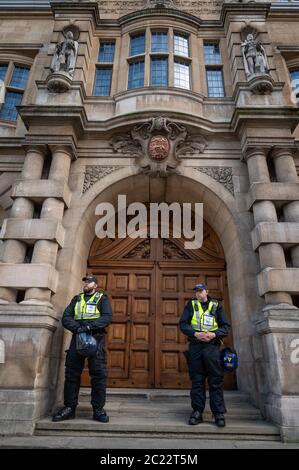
[216, 341]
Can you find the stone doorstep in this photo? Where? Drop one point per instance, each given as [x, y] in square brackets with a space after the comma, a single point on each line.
[130, 409]
[173, 426]
[158, 394]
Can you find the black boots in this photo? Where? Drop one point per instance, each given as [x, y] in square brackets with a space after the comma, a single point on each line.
[99, 414]
[195, 417]
[219, 420]
[64, 413]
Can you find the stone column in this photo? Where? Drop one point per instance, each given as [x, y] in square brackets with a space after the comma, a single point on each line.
[45, 251]
[14, 251]
[285, 170]
[270, 254]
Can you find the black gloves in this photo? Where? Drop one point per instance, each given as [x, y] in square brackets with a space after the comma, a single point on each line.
[84, 329]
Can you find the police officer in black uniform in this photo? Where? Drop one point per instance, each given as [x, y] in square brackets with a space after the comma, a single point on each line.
[204, 322]
[91, 312]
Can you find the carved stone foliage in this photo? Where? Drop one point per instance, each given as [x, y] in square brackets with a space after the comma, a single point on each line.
[191, 146]
[94, 173]
[223, 175]
[118, 8]
[158, 145]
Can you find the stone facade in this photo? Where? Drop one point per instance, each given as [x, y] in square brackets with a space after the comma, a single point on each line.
[57, 162]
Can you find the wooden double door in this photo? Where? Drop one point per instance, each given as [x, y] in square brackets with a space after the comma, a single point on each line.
[149, 282]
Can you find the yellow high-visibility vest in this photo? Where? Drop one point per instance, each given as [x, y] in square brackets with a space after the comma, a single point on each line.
[88, 310]
[204, 321]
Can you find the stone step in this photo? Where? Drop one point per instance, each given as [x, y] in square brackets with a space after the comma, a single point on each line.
[165, 395]
[155, 409]
[163, 426]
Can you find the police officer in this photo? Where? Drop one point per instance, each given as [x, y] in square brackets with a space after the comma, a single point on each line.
[204, 322]
[91, 312]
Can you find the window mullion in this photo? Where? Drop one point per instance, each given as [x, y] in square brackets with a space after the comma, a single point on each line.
[9, 73]
[147, 61]
[170, 58]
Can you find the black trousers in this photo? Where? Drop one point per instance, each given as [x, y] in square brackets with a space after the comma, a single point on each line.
[204, 362]
[74, 364]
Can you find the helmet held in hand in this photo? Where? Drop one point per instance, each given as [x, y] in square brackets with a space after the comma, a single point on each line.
[229, 359]
[86, 344]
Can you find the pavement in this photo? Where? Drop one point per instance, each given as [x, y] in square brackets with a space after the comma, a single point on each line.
[78, 442]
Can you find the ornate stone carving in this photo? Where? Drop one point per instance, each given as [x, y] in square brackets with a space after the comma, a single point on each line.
[256, 63]
[158, 144]
[192, 145]
[222, 174]
[94, 173]
[118, 8]
[63, 62]
[159, 4]
[124, 143]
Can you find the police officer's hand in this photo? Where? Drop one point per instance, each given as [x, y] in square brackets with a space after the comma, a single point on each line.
[84, 329]
[206, 337]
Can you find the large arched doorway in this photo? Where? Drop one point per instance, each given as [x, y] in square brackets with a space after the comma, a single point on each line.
[149, 281]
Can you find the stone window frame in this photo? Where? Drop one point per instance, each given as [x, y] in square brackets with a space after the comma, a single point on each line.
[290, 55]
[11, 63]
[292, 69]
[214, 67]
[148, 55]
[101, 65]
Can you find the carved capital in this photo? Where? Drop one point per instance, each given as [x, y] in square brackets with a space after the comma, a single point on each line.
[277, 152]
[255, 152]
[36, 148]
[63, 148]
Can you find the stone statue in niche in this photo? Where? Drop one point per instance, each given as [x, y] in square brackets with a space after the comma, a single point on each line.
[254, 56]
[65, 55]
